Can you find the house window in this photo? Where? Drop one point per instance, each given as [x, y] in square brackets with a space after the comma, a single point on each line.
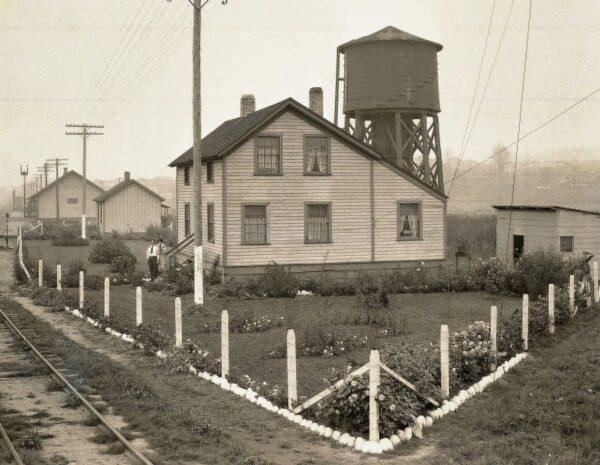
[316, 155]
[317, 223]
[186, 175]
[210, 172]
[72, 200]
[409, 220]
[566, 243]
[268, 155]
[186, 220]
[254, 224]
[210, 221]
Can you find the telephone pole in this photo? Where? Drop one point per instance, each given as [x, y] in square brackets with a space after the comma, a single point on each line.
[57, 162]
[43, 170]
[24, 173]
[85, 133]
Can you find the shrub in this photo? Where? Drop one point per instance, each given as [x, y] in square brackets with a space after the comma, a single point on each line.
[539, 268]
[277, 281]
[152, 338]
[323, 342]
[470, 352]
[239, 291]
[122, 264]
[52, 298]
[180, 358]
[491, 275]
[154, 232]
[106, 250]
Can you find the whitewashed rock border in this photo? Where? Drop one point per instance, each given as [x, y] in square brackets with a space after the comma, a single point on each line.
[345, 439]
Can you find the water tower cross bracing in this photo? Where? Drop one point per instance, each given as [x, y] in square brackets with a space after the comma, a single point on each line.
[391, 99]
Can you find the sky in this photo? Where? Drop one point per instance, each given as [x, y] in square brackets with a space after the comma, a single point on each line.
[127, 64]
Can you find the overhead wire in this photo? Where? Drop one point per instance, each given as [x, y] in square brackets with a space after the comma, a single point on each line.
[483, 54]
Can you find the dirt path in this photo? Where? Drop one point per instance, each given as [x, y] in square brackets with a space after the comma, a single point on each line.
[262, 433]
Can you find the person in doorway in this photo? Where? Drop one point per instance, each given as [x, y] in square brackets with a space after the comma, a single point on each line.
[152, 256]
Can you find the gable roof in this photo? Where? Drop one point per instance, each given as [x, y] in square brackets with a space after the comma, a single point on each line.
[59, 180]
[232, 133]
[543, 208]
[390, 34]
[122, 185]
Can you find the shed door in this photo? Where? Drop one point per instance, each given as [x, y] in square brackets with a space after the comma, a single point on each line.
[518, 244]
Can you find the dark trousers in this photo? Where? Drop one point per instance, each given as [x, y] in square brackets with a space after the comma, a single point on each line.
[153, 266]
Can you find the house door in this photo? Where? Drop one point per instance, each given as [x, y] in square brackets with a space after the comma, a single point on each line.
[518, 243]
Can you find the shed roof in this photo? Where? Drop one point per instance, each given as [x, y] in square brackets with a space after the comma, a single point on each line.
[390, 34]
[229, 135]
[122, 185]
[59, 180]
[544, 208]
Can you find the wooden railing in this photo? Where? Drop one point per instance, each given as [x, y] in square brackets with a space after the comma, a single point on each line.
[171, 255]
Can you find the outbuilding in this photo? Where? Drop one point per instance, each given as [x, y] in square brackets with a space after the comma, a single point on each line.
[65, 205]
[524, 228]
[129, 208]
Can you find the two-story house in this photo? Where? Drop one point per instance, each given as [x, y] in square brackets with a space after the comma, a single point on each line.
[284, 184]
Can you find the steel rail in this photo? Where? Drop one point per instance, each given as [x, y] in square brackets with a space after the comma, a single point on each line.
[10, 446]
[136, 454]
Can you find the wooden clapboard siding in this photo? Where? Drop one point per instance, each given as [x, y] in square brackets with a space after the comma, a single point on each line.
[211, 192]
[131, 210]
[69, 187]
[540, 229]
[584, 228]
[348, 190]
[390, 188]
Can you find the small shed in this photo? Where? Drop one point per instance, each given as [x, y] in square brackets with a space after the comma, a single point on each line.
[571, 231]
[129, 208]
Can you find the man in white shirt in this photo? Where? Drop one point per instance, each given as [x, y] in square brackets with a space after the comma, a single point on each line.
[152, 257]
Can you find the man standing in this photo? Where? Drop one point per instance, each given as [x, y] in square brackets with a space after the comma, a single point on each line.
[152, 257]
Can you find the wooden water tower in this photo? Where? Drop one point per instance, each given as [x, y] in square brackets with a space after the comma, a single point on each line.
[391, 99]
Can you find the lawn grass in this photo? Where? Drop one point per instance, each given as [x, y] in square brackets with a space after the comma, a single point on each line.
[546, 411]
[423, 313]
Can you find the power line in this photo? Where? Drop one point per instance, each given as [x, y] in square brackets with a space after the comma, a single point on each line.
[512, 196]
[485, 45]
[533, 131]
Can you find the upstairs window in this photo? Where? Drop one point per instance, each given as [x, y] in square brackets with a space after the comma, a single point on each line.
[317, 223]
[210, 222]
[409, 220]
[566, 244]
[268, 155]
[210, 172]
[72, 200]
[254, 224]
[316, 156]
[186, 175]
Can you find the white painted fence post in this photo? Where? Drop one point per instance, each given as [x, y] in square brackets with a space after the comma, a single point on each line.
[374, 364]
[494, 335]
[571, 295]
[106, 297]
[138, 306]
[178, 325]
[596, 294]
[40, 273]
[525, 322]
[81, 288]
[83, 231]
[291, 369]
[58, 278]
[551, 308]
[224, 343]
[444, 361]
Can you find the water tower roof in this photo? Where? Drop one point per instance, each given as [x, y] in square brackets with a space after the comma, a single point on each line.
[389, 34]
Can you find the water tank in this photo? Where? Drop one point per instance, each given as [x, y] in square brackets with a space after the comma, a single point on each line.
[390, 69]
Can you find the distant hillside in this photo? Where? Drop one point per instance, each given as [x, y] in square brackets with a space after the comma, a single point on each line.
[562, 178]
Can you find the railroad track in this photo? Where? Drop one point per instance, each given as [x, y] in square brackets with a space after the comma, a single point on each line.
[9, 331]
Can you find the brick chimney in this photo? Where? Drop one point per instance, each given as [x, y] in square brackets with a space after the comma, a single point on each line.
[127, 176]
[247, 105]
[315, 100]
[65, 170]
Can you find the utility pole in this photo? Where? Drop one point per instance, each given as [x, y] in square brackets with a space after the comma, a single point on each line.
[24, 173]
[44, 170]
[85, 133]
[57, 162]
